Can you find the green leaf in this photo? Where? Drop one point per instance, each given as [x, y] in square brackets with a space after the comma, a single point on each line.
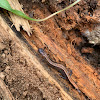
[5, 5]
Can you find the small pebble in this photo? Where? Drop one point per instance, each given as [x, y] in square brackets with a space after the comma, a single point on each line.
[2, 75]
[7, 69]
[2, 46]
[3, 55]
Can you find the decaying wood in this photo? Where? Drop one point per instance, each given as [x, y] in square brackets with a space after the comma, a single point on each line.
[84, 74]
[6, 31]
[86, 77]
[18, 21]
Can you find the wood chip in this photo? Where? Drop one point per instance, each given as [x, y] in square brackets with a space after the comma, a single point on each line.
[18, 21]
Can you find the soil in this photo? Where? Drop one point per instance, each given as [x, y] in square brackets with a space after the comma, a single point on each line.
[68, 31]
[24, 81]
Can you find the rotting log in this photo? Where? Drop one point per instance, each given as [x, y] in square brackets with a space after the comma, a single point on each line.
[5, 31]
[84, 74]
[86, 77]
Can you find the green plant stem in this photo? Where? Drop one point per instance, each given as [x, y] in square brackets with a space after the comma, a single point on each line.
[59, 11]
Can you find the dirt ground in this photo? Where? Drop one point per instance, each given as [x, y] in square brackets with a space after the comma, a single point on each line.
[24, 81]
[68, 30]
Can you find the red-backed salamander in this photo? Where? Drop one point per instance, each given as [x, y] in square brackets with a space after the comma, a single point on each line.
[41, 51]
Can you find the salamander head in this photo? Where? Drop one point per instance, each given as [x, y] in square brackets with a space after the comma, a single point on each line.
[41, 51]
